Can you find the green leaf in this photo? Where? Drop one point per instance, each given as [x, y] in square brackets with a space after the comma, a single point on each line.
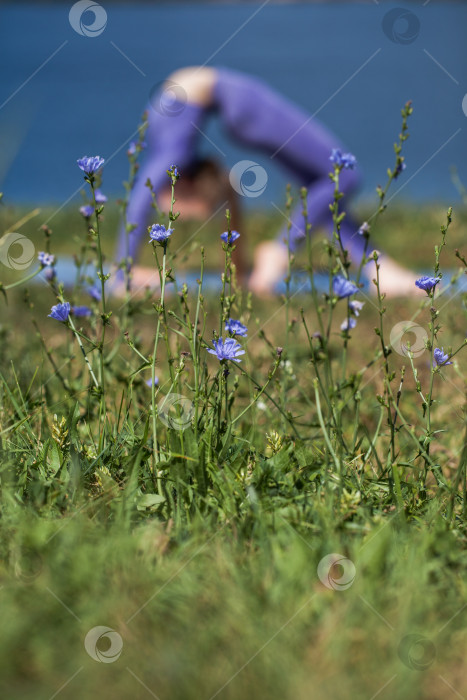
[55, 458]
[149, 500]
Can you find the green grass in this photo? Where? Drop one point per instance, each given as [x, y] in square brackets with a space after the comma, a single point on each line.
[238, 609]
[202, 548]
[407, 232]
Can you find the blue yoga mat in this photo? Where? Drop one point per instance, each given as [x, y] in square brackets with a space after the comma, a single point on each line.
[300, 283]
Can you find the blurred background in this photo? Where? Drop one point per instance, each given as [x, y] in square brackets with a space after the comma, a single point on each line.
[353, 65]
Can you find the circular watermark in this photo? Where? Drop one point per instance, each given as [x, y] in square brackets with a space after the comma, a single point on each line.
[168, 98]
[175, 411]
[103, 644]
[248, 178]
[94, 21]
[464, 105]
[401, 26]
[416, 652]
[27, 565]
[16, 251]
[336, 572]
[418, 347]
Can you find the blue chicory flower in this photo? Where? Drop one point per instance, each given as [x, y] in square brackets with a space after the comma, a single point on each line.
[90, 164]
[427, 283]
[86, 210]
[349, 161]
[81, 311]
[100, 197]
[149, 381]
[50, 274]
[95, 292]
[440, 358]
[343, 287]
[230, 239]
[159, 233]
[60, 312]
[348, 324]
[399, 168]
[227, 349]
[235, 327]
[364, 229]
[132, 147]
[356, 306]
[45, 259]
[343, 160]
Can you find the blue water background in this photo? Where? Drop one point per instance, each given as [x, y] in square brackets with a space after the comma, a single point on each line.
[88, 98]
[212, 283]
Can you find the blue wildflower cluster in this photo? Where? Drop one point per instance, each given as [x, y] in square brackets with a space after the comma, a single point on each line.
[94, 292]
[87, 211]
[227, 349]
[235, 327]
[342, 287]
[81, 311]
[50, 274]
[133, 147]
[400, 167]
[173, 172]
[356, 306]
[427, 283]
[440, 359]
[47, 263]
[159, 234]
[46, 259]
[364, 229]
[230, 237]
[90, 164]
[343, 160]
[348, 324]
[60, 312]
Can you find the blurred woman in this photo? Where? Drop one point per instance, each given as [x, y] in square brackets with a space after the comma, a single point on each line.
[255, 116]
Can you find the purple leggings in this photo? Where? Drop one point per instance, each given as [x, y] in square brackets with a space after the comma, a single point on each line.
[254, 115]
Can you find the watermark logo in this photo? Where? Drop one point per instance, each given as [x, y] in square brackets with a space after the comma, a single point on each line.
[103, 644]
[16, 251]
[248, 178]
[27, 565]
[168, 98]
[336, 572]
[88, 18]
[416, 652]
[464, 105]
[175, 411]
[417, 348]
[401, 26]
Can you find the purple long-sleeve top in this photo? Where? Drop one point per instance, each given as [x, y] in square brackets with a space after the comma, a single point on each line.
[254, 115]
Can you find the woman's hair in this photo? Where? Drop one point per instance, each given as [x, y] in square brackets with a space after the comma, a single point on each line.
[202, 166]
[211, 183]
[209, 180]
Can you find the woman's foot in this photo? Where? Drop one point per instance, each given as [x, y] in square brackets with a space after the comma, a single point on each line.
[394, 280]
[141, 279]
[193, 84]
[271, 261]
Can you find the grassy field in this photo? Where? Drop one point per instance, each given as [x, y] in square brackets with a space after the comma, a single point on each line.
[295, 525]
